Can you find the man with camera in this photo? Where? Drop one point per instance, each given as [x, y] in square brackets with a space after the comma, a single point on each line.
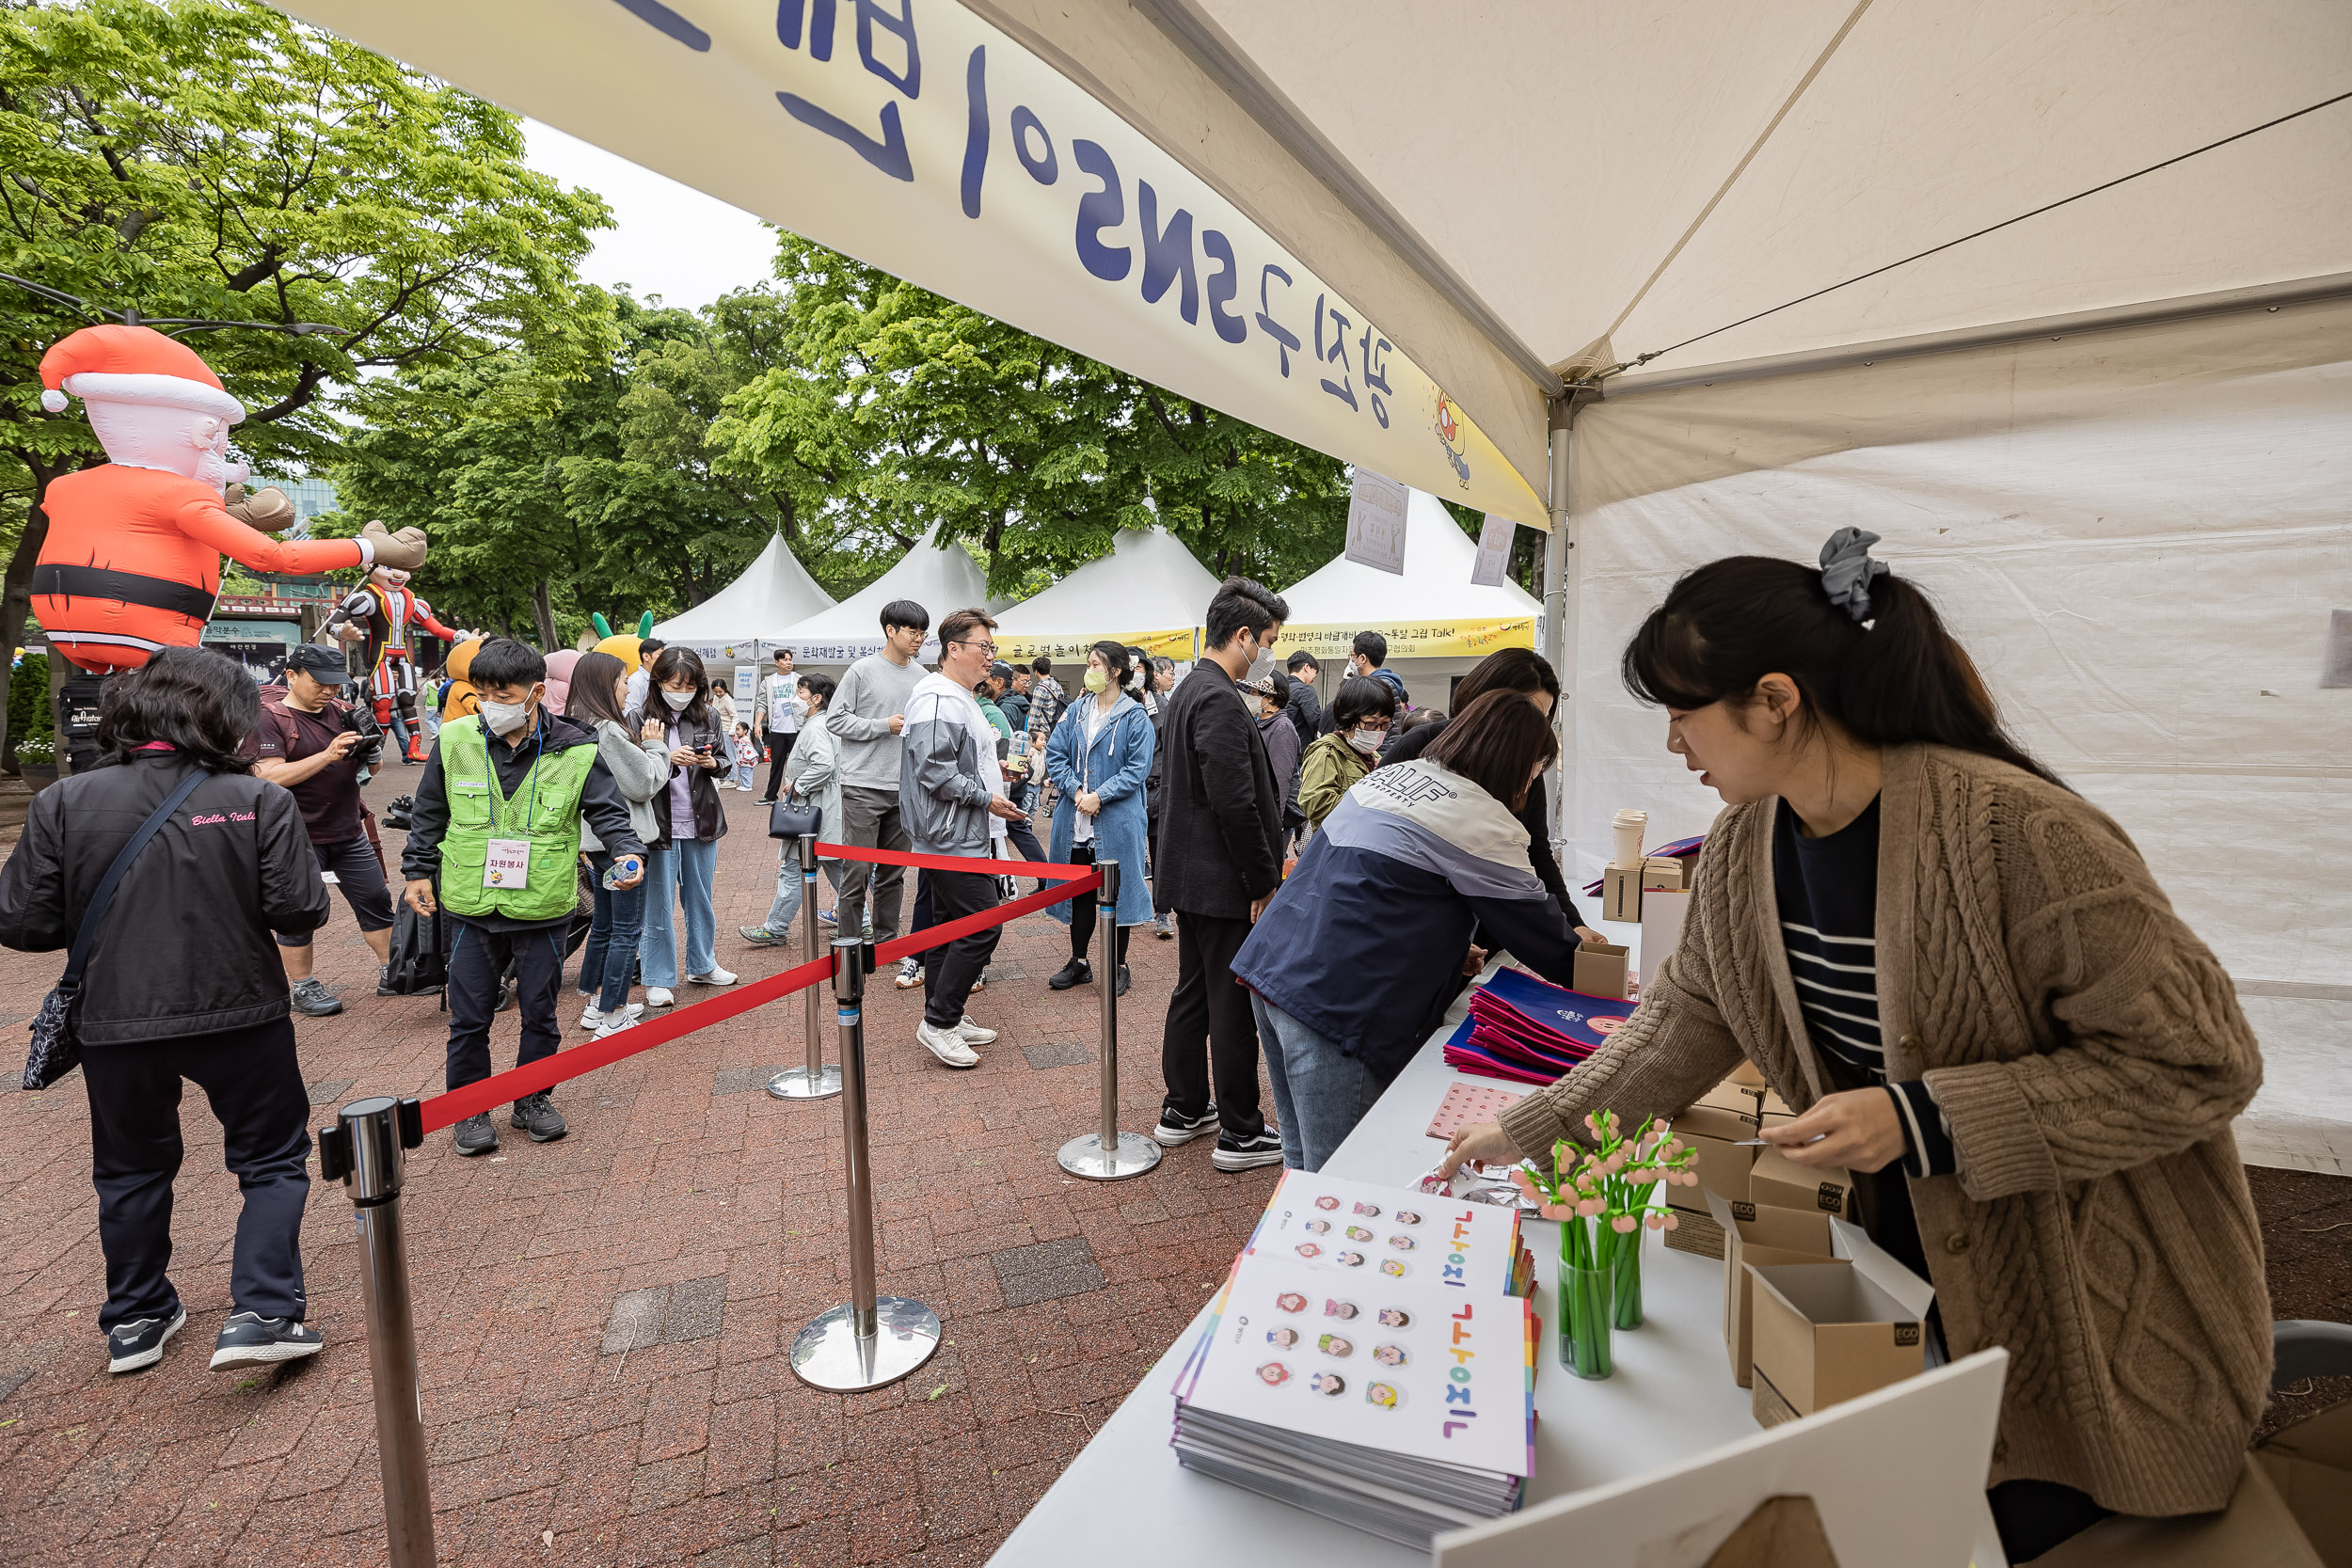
[315, 745]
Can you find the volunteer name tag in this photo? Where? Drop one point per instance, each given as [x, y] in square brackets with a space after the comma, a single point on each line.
[509, 863]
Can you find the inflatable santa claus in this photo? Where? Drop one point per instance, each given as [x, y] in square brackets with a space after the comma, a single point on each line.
[132, 562]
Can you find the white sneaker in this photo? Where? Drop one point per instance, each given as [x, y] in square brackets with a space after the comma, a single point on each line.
[658, 996]
[712, 977]
[972, 1034]
[947, 1045]
[590, 1016]
[614, 1022]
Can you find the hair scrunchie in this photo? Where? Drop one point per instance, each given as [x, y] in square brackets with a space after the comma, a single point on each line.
[1848, 570]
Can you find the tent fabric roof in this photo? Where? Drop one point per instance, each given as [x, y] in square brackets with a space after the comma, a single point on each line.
[1149, 582]
[774, 592]
[1436, 584]
[939, 577]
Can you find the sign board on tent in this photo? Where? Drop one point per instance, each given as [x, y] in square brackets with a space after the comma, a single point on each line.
[1411, 638]
[1159, 644]
[1494, 552]
[1376, 521]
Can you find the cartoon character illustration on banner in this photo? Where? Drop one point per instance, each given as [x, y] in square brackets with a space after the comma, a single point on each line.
[132, 560]
[380, 614]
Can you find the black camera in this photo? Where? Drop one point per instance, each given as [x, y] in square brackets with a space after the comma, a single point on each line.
[359, 719]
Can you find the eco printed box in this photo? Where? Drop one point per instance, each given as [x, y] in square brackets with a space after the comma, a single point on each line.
[1766, 1238]
[1822, 1335]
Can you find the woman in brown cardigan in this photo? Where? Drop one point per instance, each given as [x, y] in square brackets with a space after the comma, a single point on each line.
[1963, 977]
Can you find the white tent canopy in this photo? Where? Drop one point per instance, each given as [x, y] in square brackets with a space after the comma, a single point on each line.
[939, 577]
[1149, 592]
[1431, 611]
[745, 618]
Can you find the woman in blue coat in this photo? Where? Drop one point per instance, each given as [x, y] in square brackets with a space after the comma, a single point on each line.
[1098, 758]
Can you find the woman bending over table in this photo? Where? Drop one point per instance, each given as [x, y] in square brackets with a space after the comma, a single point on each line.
[1963, 977]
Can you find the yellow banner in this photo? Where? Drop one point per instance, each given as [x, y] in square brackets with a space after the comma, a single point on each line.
[1411, 638]
[1159, 644]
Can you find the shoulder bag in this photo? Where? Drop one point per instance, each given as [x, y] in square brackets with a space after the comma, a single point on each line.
[56, 1052]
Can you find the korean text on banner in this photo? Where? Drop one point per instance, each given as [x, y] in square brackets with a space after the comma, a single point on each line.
[1494, 552]
[924, 141]
[1376, 521]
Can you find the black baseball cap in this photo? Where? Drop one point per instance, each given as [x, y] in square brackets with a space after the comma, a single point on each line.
[1000, 671]
[322, 664]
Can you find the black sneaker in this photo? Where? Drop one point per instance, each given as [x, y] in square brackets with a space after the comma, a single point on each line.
[1077, 972]
[1176, 1128]
[1125, 979]
[475, 1136]
[533, 1114]
[384, 981]
[311, 999]
[140, 1341]
[249, 1340]
[1231, 1154]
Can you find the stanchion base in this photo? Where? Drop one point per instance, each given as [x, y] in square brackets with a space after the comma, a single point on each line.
[829, 1354]
[1132, 1155]
[794, 1083]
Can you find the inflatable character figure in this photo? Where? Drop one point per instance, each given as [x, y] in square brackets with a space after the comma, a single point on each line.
[622, 648]
[382, 612]
[132, 561]
[559, 679]
[462, 697]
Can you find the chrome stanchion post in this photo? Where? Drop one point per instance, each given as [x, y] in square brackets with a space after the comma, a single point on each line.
[363, 1151]
[1108, 1154]
[874, 1339]
[815, 1081]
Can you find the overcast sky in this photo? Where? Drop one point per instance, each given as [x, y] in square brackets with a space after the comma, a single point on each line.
[668, 239]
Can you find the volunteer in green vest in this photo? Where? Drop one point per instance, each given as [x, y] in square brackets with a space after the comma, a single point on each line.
[494, 839]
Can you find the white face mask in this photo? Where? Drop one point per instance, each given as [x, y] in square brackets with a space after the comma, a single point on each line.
[678, 700]
[504, 718]
[1366, 742]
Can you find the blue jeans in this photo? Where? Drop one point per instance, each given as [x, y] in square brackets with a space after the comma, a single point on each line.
[786, 907]
[1320, 1092]
[609, 960]
[680, 873]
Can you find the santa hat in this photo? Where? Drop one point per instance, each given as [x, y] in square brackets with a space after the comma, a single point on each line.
[117, 363]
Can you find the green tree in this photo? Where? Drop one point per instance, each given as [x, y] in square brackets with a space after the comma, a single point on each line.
[219, 161]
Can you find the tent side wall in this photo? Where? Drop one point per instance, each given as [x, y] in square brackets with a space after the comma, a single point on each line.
[2138, 535]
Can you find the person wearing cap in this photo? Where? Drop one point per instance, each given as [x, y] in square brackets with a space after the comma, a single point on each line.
[304, 746]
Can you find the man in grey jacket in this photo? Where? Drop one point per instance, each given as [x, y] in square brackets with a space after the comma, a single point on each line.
[952, 794]
[868, 715]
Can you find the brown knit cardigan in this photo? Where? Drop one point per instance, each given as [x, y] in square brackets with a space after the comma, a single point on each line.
[2089, 1053]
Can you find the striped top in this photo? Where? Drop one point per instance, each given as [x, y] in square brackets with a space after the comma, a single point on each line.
[1827, 893]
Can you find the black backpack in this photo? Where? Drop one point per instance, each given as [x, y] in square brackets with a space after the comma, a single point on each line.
[420, 960]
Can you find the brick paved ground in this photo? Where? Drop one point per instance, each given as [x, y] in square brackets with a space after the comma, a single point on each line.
[602, 1320]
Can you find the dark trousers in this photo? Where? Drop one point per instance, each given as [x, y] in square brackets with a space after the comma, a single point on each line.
[2036, 1516]
[1082, 911]
[477, 957]
[780, 752]
[254, 1083]
[870, 820]
[949, 970]
[1211, 1035]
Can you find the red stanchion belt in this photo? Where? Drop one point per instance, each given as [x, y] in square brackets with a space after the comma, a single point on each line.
[448, 1110]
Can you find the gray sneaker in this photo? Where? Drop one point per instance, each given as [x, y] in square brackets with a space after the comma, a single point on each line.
[533, 1114]
[475, 1136]
[760, 936]
[313, 1000]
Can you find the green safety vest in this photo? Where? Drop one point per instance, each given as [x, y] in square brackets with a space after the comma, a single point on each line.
[479, 812]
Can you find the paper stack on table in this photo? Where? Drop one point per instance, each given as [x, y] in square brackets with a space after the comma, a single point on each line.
[1530, 1032]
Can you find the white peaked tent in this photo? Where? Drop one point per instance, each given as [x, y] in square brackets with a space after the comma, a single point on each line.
[939, 577]
[1149, 592]
[743, 620]
[1438, 621]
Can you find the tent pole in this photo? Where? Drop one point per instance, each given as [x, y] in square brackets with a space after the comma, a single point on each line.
[1561, 575]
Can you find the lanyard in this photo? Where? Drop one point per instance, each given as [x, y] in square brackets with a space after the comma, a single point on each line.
[530, 812]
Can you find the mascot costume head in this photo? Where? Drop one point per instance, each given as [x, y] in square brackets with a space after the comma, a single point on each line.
[132, 560]
[623, 648]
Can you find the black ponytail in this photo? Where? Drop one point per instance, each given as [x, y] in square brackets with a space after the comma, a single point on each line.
[1899, 679]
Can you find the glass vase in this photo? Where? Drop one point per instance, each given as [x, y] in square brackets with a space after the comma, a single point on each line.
[1587, 1311]
[1626, 1267]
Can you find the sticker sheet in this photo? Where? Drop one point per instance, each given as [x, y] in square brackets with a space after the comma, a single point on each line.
[1391, 1234]
[1469, 1104]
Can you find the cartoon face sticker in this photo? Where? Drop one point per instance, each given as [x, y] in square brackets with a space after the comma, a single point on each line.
[1395, 1317]
[1406, 1216]
[1358, 1233]
[1327, 1202]
[1309, 1249]
[1388, 1356]
[1339, 1310]
[1370, 1211]
[1382, 1396]
[1350, 1259]
[1394, 1267]
[1329, 1385]
[1336, 1346]
[1281, 1338]
[1291, 1301]
[1402, 1244]
[1274, 1374]
[1316, 1227]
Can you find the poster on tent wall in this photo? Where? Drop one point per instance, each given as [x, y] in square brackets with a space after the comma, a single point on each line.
[1375, 522]
[1494, 552]
[846, 650]
[1410, 638]
[1177, 645]
[726, 653]
[922, 140]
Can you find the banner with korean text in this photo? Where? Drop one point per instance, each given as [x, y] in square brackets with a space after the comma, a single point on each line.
[917, 137]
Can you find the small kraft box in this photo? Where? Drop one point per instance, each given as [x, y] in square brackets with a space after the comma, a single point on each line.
[1776, 1181]
[1768, 1238]
[1621, 893]
[1723, 1167]
[1821, 1335]
[1601, 970]
[1663, 872]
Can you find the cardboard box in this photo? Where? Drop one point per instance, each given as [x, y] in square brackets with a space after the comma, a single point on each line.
[1768, 1238]
[1730, 1110]
[1662, 871]
[1723, 1167]
[1621, 893]
[1821, 1335]
[2310, 1464]
[1661, 926]
[1746, 1072]
[1776, 1181]
[1697, 1234]
[1601, 969]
